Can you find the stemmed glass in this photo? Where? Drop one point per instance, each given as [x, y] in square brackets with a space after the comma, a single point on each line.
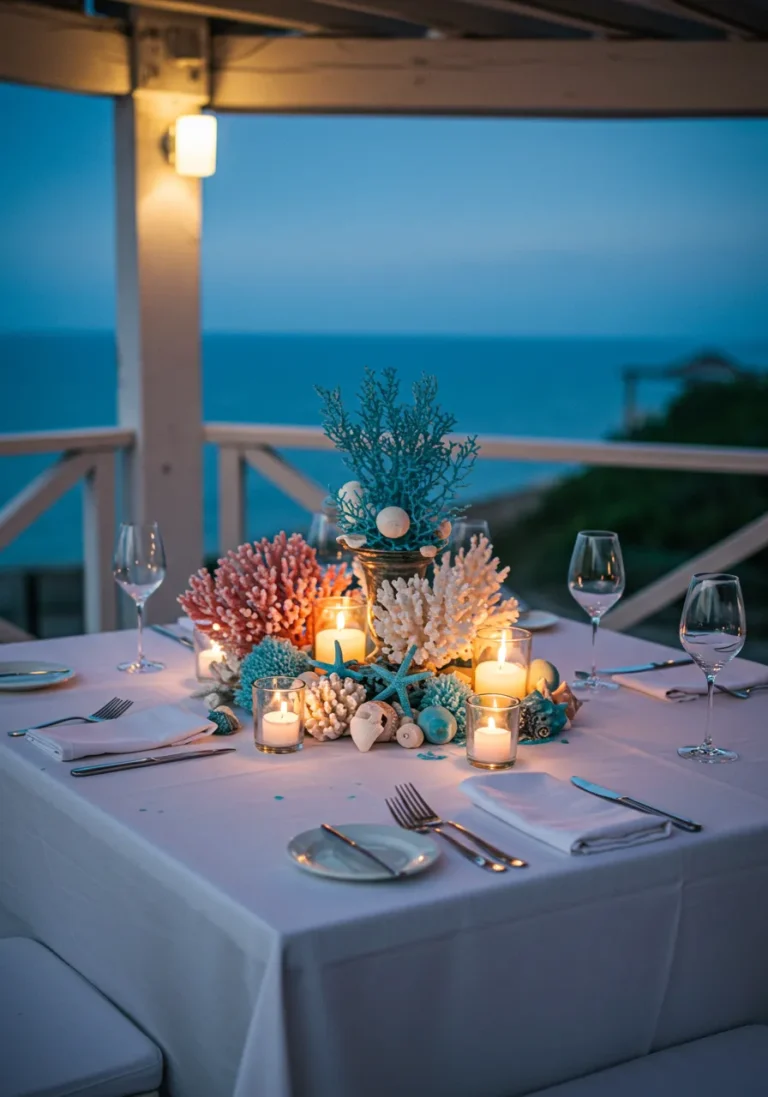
[713, 629]
[139, 569]
[596, 582]
[322, 535]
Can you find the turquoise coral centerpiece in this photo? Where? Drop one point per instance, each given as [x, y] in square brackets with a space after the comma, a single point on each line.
[271, 658]
[407, 472]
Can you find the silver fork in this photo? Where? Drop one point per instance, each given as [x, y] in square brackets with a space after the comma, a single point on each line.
[427, 817]
[404, 819]
[114, 708]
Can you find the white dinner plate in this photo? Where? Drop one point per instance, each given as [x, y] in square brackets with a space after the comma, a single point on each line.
[318, 852]
[536, 620]
[32, 674]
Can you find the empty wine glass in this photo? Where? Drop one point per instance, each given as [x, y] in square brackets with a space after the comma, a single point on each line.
[464, 530]
[322, 535]
[713, 629]
[139, 569]
[596, 582]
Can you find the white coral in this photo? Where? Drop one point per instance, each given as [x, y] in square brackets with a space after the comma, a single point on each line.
[442, 617]
[330, 703]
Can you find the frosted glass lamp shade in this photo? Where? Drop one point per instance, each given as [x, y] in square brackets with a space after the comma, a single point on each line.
[195, 145]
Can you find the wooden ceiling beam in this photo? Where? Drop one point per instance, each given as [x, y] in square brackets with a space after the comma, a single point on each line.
[602, 17]
[59, 49]
[516, 78]
[307, 16]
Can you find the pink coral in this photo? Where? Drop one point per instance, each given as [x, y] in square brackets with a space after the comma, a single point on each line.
[263, 589]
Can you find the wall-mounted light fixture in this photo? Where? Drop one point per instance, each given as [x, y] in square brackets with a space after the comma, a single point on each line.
[191, 145]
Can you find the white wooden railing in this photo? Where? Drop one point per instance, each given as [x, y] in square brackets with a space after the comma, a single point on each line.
[87, 455]
[90, 456]
[242, 445]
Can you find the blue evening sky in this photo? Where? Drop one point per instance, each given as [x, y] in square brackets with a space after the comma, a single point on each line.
[410, 225]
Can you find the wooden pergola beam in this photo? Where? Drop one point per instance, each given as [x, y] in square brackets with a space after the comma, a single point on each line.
[58, 49]
[525, 78]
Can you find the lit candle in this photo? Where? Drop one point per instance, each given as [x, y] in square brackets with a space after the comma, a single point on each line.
[352, 642]
[207, 656]
[499, 676]
[280, 729]
[492, 745]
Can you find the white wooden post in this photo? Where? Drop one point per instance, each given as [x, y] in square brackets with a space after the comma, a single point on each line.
[158, 313]
[98, 543]
[231, 498]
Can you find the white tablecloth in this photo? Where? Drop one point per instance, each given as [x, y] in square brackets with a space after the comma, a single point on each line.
[171, 890]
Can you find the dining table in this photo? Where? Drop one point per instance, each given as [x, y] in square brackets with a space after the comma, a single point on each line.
[171, 890]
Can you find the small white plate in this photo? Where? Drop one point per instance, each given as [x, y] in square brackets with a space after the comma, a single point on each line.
[318, 852]
[23, 675]
[536, 620]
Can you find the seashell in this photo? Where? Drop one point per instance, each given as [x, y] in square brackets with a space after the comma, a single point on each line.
[564, 695]
[374, 722]
[410, 736]
[438, 724]
[393, 522]
[212, 700]
[309, 677]
[351, 491]
[542, 668]
[401, 717]
[356, 540]
[443, 531]
[428, 550]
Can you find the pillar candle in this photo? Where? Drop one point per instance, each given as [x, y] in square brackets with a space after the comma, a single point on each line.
[510, 679]
[352, 642]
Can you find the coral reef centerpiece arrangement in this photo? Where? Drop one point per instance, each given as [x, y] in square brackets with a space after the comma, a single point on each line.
[396, 515]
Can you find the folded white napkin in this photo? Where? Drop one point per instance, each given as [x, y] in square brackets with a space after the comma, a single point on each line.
[678, 683]
[558, 813]
[185, 625]
[161, 726]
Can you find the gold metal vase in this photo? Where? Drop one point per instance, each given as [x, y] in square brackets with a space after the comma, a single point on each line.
[379, 565]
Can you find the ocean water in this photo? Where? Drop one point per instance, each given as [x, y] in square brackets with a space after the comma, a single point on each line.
[554, 388]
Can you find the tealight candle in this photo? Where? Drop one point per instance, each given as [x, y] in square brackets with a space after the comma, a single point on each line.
[278, 714]
[493, 722]
[339, 620]
[501, 661]
[207, 651]
[280, 729]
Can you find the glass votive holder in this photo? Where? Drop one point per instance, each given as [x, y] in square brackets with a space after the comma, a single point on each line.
[207, 650]
[278, 714]
[493, 728]
[500, 661]
[343, 620]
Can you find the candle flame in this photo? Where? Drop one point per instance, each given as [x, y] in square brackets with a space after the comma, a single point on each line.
[502, 652]
[491, 722]
[283, 707]
[216, 648]
[339, 621]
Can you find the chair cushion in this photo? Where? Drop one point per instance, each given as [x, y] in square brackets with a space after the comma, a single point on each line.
[734, 1062]
[60, 1037]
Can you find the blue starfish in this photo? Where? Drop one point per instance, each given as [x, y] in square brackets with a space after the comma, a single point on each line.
[397, 681]
[338, 666]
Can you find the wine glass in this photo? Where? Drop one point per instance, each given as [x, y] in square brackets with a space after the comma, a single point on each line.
[322, 535]
[464, 530]
[596, 582]
[713, 629]
[139, 569]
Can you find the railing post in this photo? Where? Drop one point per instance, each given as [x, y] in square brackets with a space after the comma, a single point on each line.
[232, 471]
[100, 592]
[158, 313]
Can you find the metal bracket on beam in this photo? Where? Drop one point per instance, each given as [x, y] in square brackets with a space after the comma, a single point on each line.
[171, 54]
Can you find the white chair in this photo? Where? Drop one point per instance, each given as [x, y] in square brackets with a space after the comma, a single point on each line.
[60, 1038]
[731, 1063]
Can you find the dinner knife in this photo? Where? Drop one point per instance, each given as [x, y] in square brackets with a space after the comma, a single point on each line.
[183, 640]
[36, 673]
[618, 798]
[147, 760]
[661, 664]
[360, 849]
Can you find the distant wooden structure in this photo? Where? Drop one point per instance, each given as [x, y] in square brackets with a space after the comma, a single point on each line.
[704, 367]
[164, 59]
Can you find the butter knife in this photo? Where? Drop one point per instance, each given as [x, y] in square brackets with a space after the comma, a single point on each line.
[618, 798]
[360, 849]
[661, 664]
[34, 673]
[183, 640]
[147, 760]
